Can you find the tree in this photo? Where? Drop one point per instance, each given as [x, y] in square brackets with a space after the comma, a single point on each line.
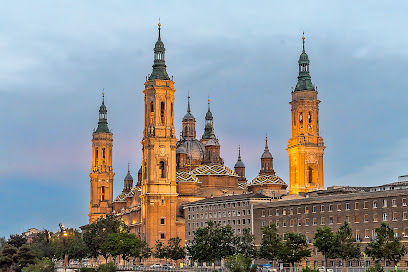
[160, 250]
[245, 244]
[96, 234]
[145, 251]
[2, 242]
[294, 248]
[122, 244]
[347, 249]
[386, 246]
[6, 256]
[75, 247]
[24, 256]
[17, 240]
[240, 263]
[211, 243]
[271, 243]
[174, 250]
[326, 243]
[42, 244]
[43, 265]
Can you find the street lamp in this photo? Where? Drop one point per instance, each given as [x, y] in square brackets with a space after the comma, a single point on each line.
[64, 236]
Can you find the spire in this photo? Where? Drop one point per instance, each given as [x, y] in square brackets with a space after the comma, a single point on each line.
[103, 121]
[128, 176]
[266, 153]
[239, 162]
[208, 129]
[304, 78]
[159, 65]
[188, 106]
[188, 115]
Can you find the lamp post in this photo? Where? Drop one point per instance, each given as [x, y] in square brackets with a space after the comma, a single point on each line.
[64, 234]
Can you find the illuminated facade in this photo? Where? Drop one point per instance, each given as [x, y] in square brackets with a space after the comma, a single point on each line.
[101, 172]
[305, 147]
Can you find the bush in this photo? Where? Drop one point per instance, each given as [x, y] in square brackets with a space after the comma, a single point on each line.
[240, 263]
[376, 268]
[109, 267]
[87, 269]
[43, 265]
[309, 269]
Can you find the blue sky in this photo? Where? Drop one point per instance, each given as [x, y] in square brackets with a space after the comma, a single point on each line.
[55, 58]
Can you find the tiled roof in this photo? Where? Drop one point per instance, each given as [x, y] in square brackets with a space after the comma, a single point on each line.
[186, 177]
[122, 196]
[242, 186]
[220, 170]
[267, 179]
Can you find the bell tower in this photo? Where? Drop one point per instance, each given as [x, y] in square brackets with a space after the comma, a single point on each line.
[305, 147]
[101, 172]
[159, 188]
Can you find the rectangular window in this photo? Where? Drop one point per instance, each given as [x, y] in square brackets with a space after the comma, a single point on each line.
[284, 211]
[291, 211]
[298, 210]
[347, 206]
[306, 210]
[314, 209]
[385, 215]
[394, 216]
[348, 218]
[299, 222]
[356, 205]
[405, 216]
[375, 217]
[396, 232]
[366, 218]
[307, 222]
[338, 207]
[331, 220]
[384, 203]
[404, 202]
[405, 233]
[322, 221]
[284, 223]
[243, 221]
[356, 219]
[233, 213]
[229, 213]
[330, 207]
[243, 212]
[270, 212]
[365, 205]
[375, 204]
[291, 222]
[263, 213]
[366, 233]
[322, 208]
[314, 221]
[162, 221]
[277, 212]
[339, 221]
[394, 203]
[358, 236]
[162, 236]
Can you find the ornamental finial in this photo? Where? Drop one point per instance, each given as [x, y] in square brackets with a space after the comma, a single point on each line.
[303, 38]
[159, 24]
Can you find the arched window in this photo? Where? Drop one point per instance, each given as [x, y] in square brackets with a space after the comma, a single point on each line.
[162, 112]
[151, 113]
[162, 170]
[310, 175]
[185, 130]
[172, 114]
[301, 118]
[103, 193]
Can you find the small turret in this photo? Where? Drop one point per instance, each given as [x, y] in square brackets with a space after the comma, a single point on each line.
[103, 119]
[128, 181]
[159, 65]
[266, 161]
[240, 167]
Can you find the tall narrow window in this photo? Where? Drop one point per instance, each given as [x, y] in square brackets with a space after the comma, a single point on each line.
[186, 131]
[162, 170]
[103, 193]
[172, 114]
[103, 156]
[96, 156]
[162, 112]
[310, 175]
[151, 113]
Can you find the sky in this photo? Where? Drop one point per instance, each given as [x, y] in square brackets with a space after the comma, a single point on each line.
[57, 56]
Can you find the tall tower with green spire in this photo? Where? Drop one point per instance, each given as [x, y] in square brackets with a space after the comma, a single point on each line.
[305, 147]
[101, 171]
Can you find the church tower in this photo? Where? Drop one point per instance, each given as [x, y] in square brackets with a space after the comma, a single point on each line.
[101, 172]
[305, 147]
[159, 188]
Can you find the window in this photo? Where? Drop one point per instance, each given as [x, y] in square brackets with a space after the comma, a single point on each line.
[263, 213]
[331, 220]
[103, 193]
[394, 203]
[161, 221]
[243, 221]
[284, 211]
[366, 233]
[284, 223]
[405, 233]
[314, 209]
[339, 220]
[276, 212]
[291, 222]
[385, 215]
[310, 175]
[270, 212]
[307, 222]
[348, 218]
[298, 210]
[151, 113]
[339, 207]
[314, 221]
[322, 221]
[356, 219]
[291, 211]
[233, 213]
[394, 216]
[306, 210]
[356, 206]
[374, 204]
[162, 236]
[162, 170]
[243, 212]
[366, 218]
[396, 232]
[330, 207]
[384, 203]
[365, 206]
[358, 236]
[375, 217]
[405, 216]
[404, 202]
[347, 206]
[299, 222]
[162, 112]
[322, 208]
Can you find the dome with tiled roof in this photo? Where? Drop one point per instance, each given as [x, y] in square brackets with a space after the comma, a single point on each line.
[267, 179]
[221, 170]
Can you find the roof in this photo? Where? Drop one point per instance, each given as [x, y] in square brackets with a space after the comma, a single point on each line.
[122, 196]
[186, 177]
[243, 186]
[216, 169]
[267, 179]
[230, 198]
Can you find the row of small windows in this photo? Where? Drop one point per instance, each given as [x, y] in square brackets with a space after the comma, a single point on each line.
[339, 220]
[220, 214]
[330, 207]
[222, 223]
[219, 206]
[162, 113]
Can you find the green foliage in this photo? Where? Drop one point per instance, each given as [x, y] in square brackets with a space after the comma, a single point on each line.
[271, 243]
[376, 268]
[43, 265]
[6, 256]
[325, 241]
[347, 249]
[386, 246]
[24, 256]
[211, 243]
[17, 240]
[245, 244]
[240, 263]
[96, 234]
[87, 269]
[309, 269]
[2, 242]
[145, 251]
[159, 250]
[174, 250]
[43, 245]
[108, 267]
[294, 249]
[122, 244]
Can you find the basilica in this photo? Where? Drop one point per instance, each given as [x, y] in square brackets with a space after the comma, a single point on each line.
[175, 172]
